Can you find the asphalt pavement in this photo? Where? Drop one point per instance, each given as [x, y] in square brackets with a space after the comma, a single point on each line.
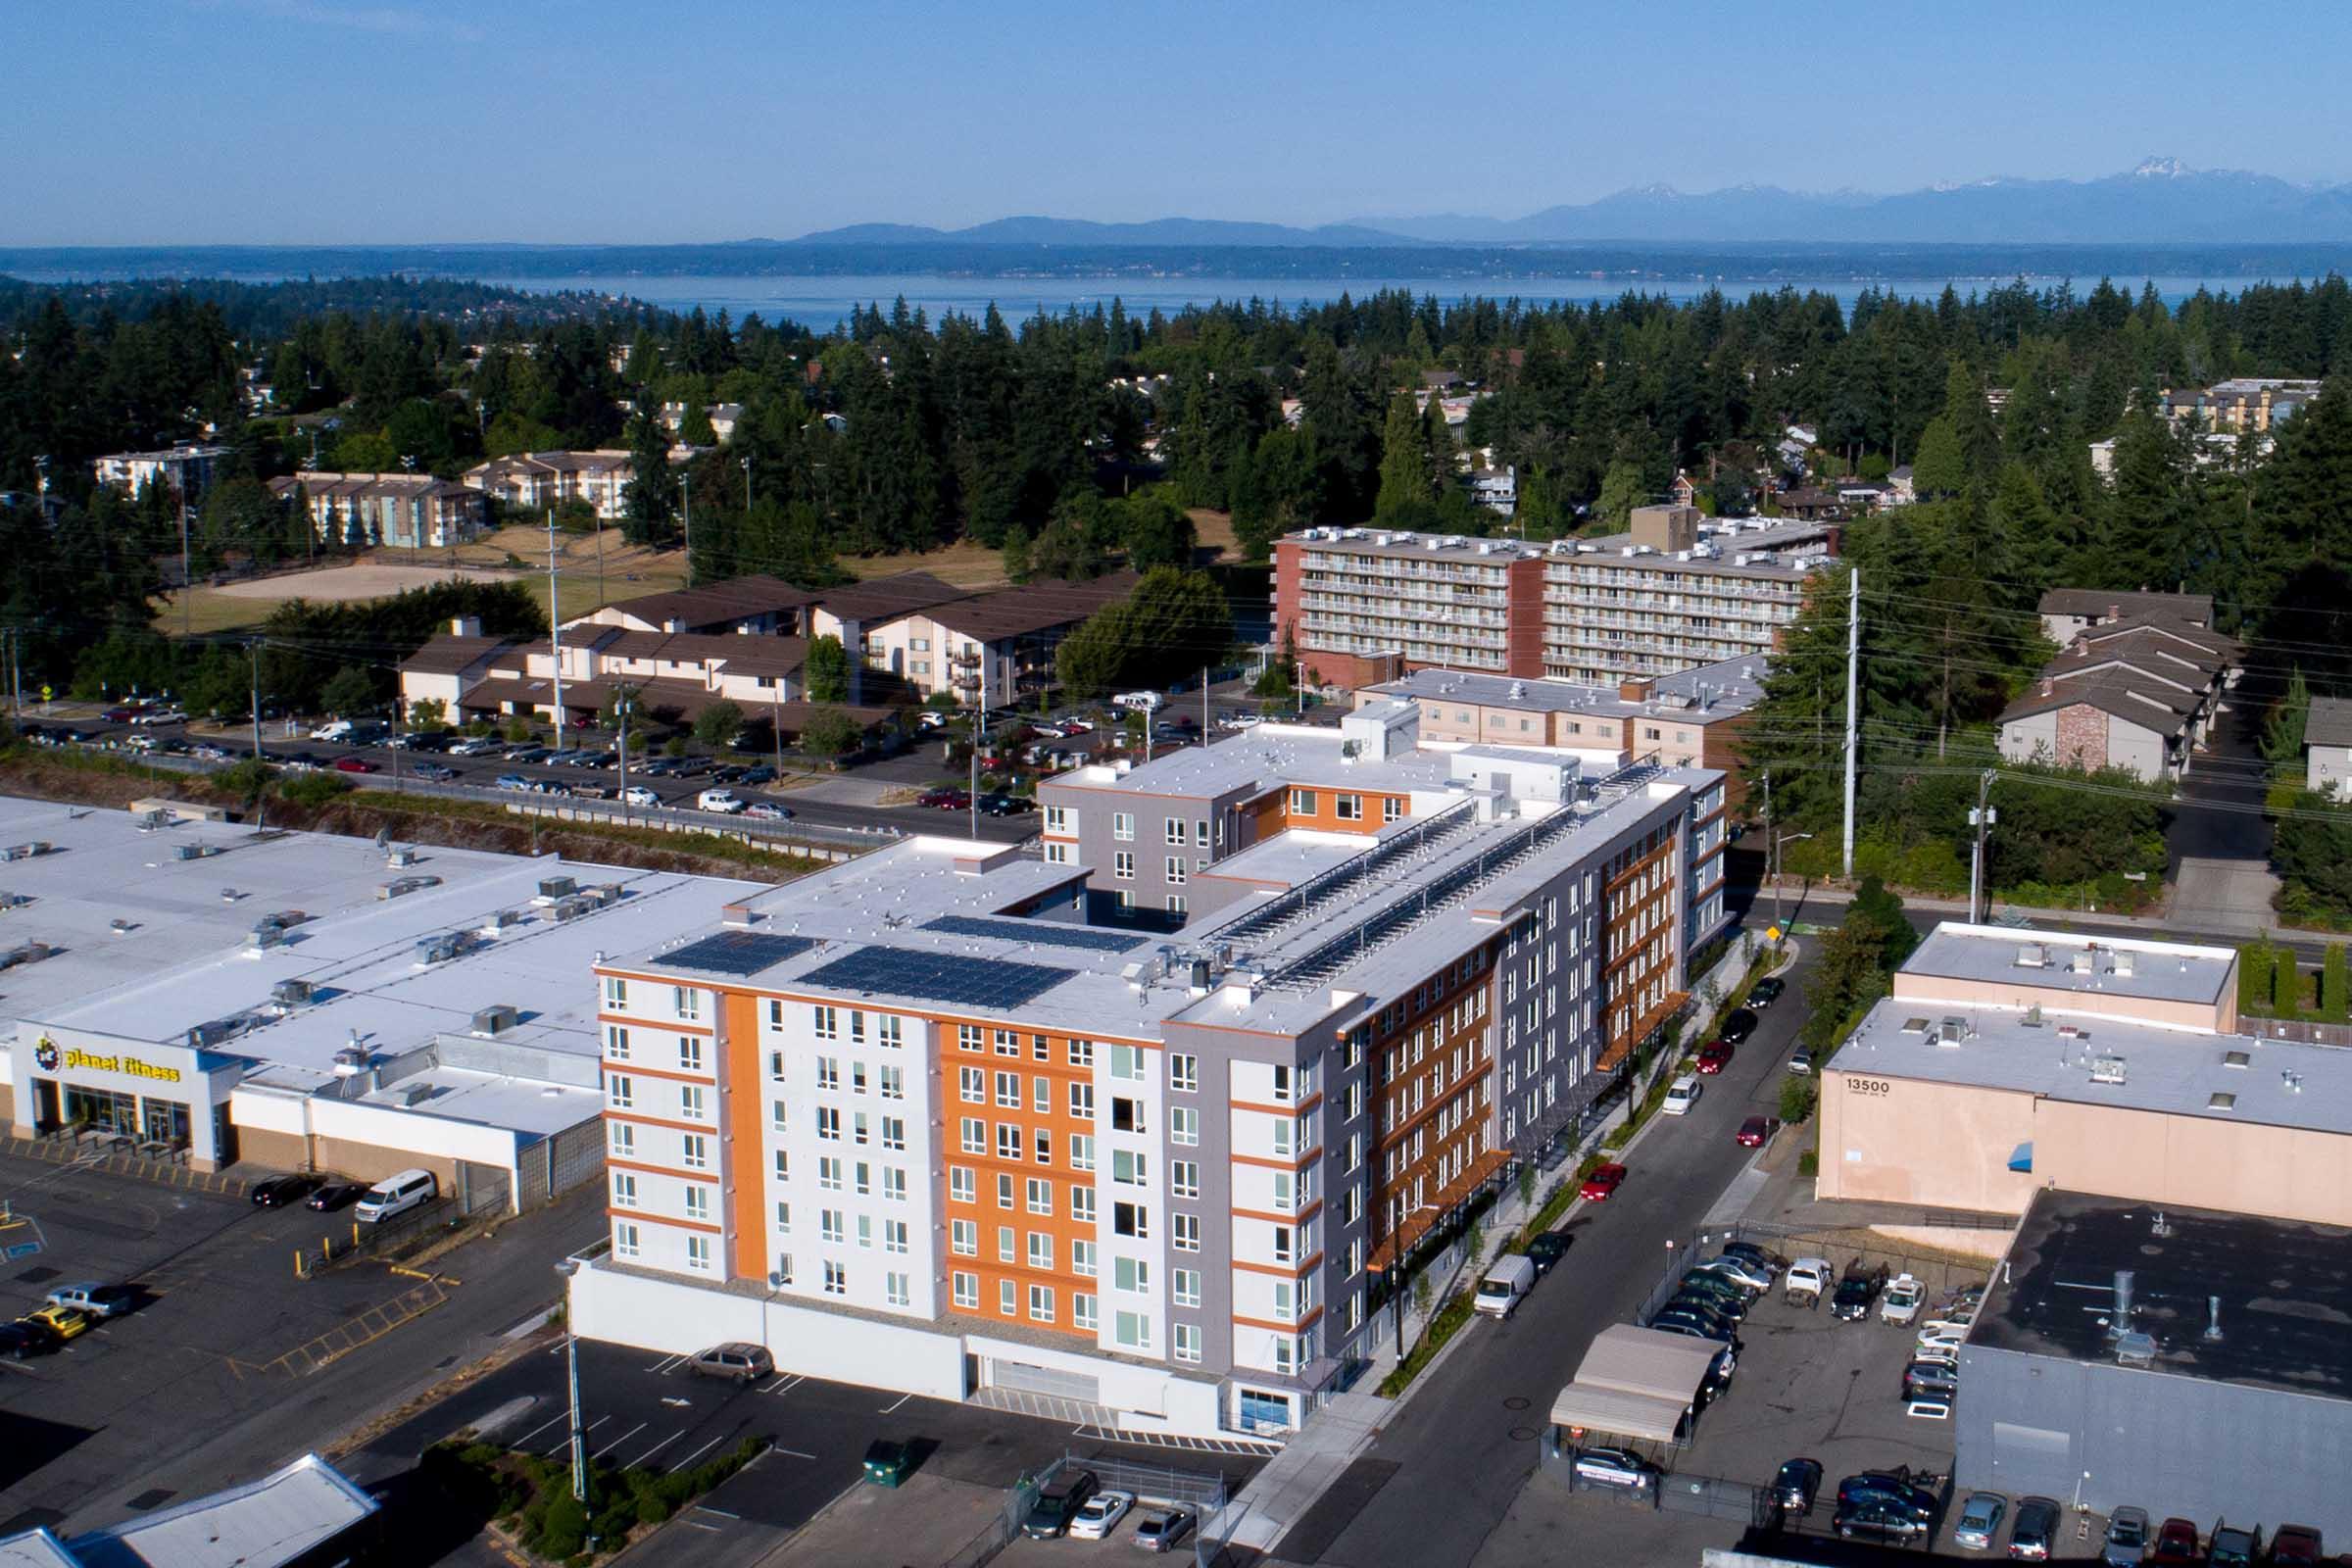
[1463, 1448]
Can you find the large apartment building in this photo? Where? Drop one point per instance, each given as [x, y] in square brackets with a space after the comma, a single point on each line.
[1677, 591]
[536, 480]
[914, 1122]
[410, 511]
[187, 469]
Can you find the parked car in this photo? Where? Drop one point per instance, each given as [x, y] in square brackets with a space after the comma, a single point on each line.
[2176, 1544]
[1933, 1380]
[769, 811]
[528, 754]
[1762, 1257]
[1680, 1096]
[357, 764]
[1939, 1336]
[1615, 1467]
[1754, 1133]
[437, 771]
[723, 800]
[2291, 1546]
[1765, 992]
[1500, 1289]
[514, 781]
[1161, 1531]
[123, 713]
[1809, 1279]
[888, 1464]
[1980, 1523]
[1857, 1292]
[2127, 1541]
[336, 1195]
[1883, 1520]
[282, 1192]
[1139, 702]
[2231, 1547]
[1605, 1181]
[756, 775]
[1006, 805]
[1714, 1057]
[1697, 1323]
[1100, 1515]
[1800, 1063]
[735, 1360]
[1886, 1486]
[1545, 1251]
[473, 746]
[1726, 1298]
[333, 730]
[1739, 1025]
[1796, 1485]
[62, 1322]
[2037, 1526]
[1901, 1303]
[1058, 1503]
[639, 795]
[17, 1342]
[94, 1298]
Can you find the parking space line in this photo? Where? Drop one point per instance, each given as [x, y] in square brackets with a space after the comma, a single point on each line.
[617, 1442]
[795, 1452]
[587, 1431]
[659, 1446]
[687, 1463]
[780, 1387]
[541, 1427]
[665, 1365]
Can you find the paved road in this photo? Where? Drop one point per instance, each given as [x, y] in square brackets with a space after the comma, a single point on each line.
[1465, 1446]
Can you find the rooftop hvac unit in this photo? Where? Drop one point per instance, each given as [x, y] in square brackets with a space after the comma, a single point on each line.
[351, 1060]
[1951, 1031]
[14, 901]
[2080, 963]
[2123, 962]
[495, 1020]
[573, 908]
[290, 993]
[266, 934]
[552, 888]
[605, 893]
[2032, 955]
[26, 850]
[179, 851]
[438, 949]
[23, 953]
[416, 1094]
[2107, 1068]
[500, 920]
[401, 858]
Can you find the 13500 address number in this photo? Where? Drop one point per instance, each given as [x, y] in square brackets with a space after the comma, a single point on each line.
[1868, 1086]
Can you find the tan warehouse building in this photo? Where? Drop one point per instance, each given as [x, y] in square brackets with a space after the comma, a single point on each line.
[2011, 1060]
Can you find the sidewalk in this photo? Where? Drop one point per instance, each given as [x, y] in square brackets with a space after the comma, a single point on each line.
[2160, 925]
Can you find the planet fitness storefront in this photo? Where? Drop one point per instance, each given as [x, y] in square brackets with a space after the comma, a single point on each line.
[171, 1100]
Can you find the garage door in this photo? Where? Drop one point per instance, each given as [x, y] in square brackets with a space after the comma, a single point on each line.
[1044, 1380]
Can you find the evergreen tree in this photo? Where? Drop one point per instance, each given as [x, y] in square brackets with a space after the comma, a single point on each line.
[650, 498]
[1015, 554]
[1405, 478]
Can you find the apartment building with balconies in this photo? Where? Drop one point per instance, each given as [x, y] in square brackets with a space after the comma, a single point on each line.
[998, 644]
[912, 1122]
[408, 511]
[186, 469]
[1675, 592]
[533, 481]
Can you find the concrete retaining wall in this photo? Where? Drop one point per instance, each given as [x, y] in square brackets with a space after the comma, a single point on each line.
[1987, 1243]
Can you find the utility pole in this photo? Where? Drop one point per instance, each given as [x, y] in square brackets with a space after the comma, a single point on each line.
[1772, 857]
[746, 484]
[1853, 664]
[620, 721]
[261, 796]
[555, 625]
[188, 584]
[979, 728]
[1980, 818]
[1204, 730]
[686, 489]
[775, 726]
[579, 1433]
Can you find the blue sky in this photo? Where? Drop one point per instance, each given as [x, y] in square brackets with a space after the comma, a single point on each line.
[388, 120]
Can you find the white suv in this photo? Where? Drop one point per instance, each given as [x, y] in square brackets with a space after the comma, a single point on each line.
[718, 801]
[1680, 1096]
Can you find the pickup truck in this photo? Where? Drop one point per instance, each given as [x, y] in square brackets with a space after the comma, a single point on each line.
[1809, 1280]
[1901, 1303]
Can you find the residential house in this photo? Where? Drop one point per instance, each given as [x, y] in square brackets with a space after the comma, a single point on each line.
[1495, 489]
[2327, 745]
[409, 511]
[2067, 613]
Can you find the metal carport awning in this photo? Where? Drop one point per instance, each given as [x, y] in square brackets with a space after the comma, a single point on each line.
[1589, 1412]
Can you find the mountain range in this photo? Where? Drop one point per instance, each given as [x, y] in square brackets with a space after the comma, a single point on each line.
[2160, 202]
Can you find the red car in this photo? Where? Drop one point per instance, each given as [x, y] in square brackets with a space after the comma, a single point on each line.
[1753, 1131]
[2175, 1543]
[1714, 1056]
[1602, 1182]
[357, 764]
[2296, 1547]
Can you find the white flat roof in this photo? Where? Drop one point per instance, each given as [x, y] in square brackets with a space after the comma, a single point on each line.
[1289, 858]
[2160, 971]
[35, 1549]
[1267, 756]
[258, 1525]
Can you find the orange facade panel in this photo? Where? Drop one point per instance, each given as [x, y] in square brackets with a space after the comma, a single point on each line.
[741, 1107]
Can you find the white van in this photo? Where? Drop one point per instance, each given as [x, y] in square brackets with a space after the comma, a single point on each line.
[1505, 1283]
[397, 1195]
[334, 730]
[1141, 702]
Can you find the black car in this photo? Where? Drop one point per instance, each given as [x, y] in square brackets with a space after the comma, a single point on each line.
[760, 774]
[1738, 1026]
[1767, 990]
[1794, 1487]
[1931, 1380]
[731, 773]
[1728, 1300]
[1695, 1322]
[1546, 1250]
[1885, 1488]
[1005, 804]
[17, 1342]
[336, 1195]
[1855, 1293]
[281, 1192]
[1058, 1503]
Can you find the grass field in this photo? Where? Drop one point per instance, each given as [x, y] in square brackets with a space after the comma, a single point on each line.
[592, 569]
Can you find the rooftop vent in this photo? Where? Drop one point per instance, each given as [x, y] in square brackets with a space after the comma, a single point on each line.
[1915, 1026]
[1952, 1031]
[290, 993]
[2213, 1320]
[2081, 960]
[552, 888]
[2135, 1349]
[2221, 1101]
[179, 851]
[2107, 1069]
[2123, 962]
[2294, 1082]
[2236, 1058]
[494, 1020]
[401, 858]
[26, 850]
[2032, 955]
[2123, 1301]
[351, 1060]
[439, 949]
[416, 1094]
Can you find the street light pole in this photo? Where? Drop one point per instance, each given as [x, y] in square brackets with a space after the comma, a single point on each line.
[686, 489]
[1778, 840]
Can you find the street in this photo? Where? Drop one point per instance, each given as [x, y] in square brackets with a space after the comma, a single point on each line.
[1462, 1450]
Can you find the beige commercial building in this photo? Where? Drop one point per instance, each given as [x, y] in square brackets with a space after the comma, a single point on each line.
[2011, 1060]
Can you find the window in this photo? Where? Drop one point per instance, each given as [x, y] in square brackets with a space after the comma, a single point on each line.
[620, 1092]
[1008, 1090]
[1284, 1194]
[865, 1178]
[1009, 1141]
[624, 1189]
[961, 1186]
[894, 1236]
[623, 1138]
[1041, 1251]
[1041, 1196]
[1082, 1052]
[690, 1102]
[1201, 833]
[617, 991]
[775, 1014]
[1082, 1102]
[1006, 1293]
[1348, 807]
[1303, 803]
[1184, 1071]
[967, 1037]
[1284, 1136]
[1127, 1063]
[837, 1279]
[894, 1132]
[775, 1065]
[976, 1135]
[1188, 1286]
[828, 1023]
[1123, 826]
[1285, 1240]
[857, 1028]
[829, 1173]
[694, 1150]
[967, 1292]
[1175, 903]
[1009, 1043]
[1082, 1204]
[828, 1123]
[964, 1238]
[698, 1254]
[889, 1030]
[1129, 1168]
[1133, 1330]
[1082, 1151]
[1131, 1220]
[1062, 820]
[829, 1073]
[690, 1052]
[1040, 1050]
[828, 1224]
[1057, 853]
[1041, 1094]
[698, 1201]
[779, 1116]
[616, 1041]
[1122, 866]
[857, 1074]
[625, 1240]
[1127, 1115]
[783, 1218]
[1184, 1125]
[1045, 1147]
[1082, 1310]
[1082, 1258]
[1187, 1342]
[1282, 1084]
[1186, 1229]
[1392, 807]
[1003, 1190]
[971, 1084]
[1184, 1178]
[1171, 831]
[895, 1289]
[688, 1000]
[865, 1231]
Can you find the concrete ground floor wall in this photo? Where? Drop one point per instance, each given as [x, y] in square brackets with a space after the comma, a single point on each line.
[360, 1162]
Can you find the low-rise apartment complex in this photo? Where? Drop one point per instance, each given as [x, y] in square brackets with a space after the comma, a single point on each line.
[533, 481]
[187, 469]
[915, 1122]
[2234, 407]
[410, 511]
[1675, 592]
[2138, 693]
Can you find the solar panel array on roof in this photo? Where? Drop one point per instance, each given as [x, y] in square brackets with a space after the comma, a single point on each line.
[938, 977]
[1046, 931]
[738, 952]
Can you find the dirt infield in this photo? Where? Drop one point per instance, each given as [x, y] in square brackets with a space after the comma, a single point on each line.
[365, 580]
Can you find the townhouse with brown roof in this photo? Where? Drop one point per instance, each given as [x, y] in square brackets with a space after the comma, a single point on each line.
[537, 480]
[2140, 694]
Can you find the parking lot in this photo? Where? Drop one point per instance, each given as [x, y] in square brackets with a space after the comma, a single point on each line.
[646, 1409]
